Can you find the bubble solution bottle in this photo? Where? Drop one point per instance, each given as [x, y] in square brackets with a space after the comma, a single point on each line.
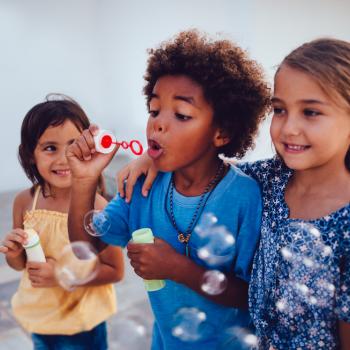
[33, 247]
[145, 235]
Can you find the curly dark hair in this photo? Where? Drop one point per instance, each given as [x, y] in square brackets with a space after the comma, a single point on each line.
[232, 83]
[54, 111]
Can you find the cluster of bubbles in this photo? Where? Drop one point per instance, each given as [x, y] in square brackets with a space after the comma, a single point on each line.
[76, 265]
[308, 262]
[78, 261]
[214, 245]
[189, 324]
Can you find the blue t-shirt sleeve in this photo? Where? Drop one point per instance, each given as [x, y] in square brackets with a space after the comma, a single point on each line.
[118, 213]
[248, 233]
[343, 297]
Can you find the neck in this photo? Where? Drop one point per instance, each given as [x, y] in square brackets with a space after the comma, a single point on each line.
[57, 193]
[321, 179]
[193, 180]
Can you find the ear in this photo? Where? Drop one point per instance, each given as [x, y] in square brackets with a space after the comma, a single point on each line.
[221, 138]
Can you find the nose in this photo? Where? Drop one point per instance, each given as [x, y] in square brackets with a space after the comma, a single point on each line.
[291, 126]
[159, 123]
[61, 156]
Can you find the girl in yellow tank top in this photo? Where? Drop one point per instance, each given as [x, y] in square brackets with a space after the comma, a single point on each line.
[57, 318]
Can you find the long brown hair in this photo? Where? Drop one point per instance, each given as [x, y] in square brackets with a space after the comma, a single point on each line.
[328, 62]
[54, 111]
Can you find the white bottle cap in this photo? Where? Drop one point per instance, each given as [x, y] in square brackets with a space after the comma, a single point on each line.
[105, 141]
[32, 239]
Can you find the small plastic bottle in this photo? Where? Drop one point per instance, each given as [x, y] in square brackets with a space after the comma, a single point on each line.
[33, 247]
[145, 235]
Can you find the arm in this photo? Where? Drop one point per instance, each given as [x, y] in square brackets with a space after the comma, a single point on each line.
[12, 244]
[161, 261]
[111, 264]
[344, 333]
[86, 166]
[131, 172]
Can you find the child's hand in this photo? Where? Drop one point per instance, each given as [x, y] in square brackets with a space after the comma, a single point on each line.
[132, 171]
[12, 244]
[42, 275]
[84, 161]
[153, 261]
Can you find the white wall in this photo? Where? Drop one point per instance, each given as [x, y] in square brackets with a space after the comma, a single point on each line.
[95, 51]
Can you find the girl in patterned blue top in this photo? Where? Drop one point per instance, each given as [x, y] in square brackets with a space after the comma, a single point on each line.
[303, 303]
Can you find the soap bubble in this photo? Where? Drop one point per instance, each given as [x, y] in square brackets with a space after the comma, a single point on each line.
[189, 324]
[239, 338]
[76, 265]
[207, 221]
[129, 334]
[216, 247]
[214, 282]
[96, 222]
[308, 279]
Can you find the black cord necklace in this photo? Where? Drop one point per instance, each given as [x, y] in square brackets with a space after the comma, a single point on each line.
[184, 237]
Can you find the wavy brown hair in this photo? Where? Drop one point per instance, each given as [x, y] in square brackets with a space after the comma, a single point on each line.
[232, 83]
[327, 61]
[54, 111]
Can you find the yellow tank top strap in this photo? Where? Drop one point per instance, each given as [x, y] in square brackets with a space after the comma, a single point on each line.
[36, 195]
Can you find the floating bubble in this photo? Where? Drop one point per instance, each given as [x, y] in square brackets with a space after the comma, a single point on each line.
[214, 282]
[189, 324]
[76, 265]
[129, 334]
[239, 338]
[96, 222]
[217, 247]
[207, 221]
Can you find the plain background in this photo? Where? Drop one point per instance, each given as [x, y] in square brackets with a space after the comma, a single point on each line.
[95, 51]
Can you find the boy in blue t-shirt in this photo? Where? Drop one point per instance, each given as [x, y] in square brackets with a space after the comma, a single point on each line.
[204, 98]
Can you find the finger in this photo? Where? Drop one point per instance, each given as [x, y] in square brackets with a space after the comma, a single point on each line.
[83, 145]
[33, 265]
[129, 185]
[133, 256]
[19, 237]
[134, 248]
[3, 249]
[11, 245]
[121, 178]
[89, 139]
[75, 151]
[94, 129]
[150, 177]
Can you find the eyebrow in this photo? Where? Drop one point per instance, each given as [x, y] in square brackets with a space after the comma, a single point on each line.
[54, 143]
[307, 101]
[188, 99]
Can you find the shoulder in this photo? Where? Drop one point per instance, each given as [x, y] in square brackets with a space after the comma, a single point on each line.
[23, 200]
[243, 182]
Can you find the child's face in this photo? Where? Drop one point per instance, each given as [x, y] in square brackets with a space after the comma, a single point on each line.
[308, 128]
[50, 157]
[180, 129]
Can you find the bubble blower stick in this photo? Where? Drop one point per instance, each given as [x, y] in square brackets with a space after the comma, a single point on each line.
[105, 142]
[145, 235]
[33, 247]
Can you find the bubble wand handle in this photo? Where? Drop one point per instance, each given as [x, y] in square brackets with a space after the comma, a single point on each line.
[105, 142]
[145, 235]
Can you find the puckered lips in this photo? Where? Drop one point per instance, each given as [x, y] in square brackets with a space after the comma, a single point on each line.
[62, 172]
[295, 148]
[155, 150]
